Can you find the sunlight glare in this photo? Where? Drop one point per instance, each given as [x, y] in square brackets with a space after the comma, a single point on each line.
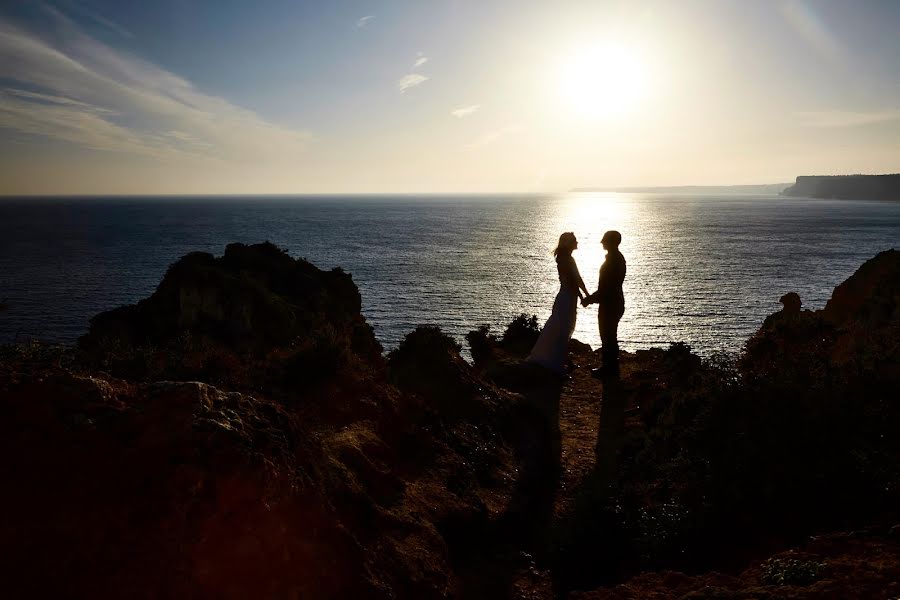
[603, 81]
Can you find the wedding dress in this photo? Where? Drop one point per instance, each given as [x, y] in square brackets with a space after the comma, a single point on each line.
[552, 347]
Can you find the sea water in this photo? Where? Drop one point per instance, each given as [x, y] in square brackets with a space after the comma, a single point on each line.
[705, 270]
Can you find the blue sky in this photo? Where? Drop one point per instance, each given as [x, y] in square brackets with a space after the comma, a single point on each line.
[380, 96]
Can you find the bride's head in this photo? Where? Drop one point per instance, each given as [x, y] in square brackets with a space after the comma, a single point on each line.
[567, 243]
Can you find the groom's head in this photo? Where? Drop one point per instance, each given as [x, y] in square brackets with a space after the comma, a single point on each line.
[611, 239]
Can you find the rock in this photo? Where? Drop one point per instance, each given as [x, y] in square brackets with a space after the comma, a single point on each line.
[210, 314]
[578, 347]
[156, 481]
[122, 489]
[262, 485]
[871, 296]
[857, 331]
[254, 298]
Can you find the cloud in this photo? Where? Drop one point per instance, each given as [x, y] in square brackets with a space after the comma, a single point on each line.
[363, 21]
[492, 136]
[75, 124]
[99, 19]
[50, 99]
[80, 91]
[841, 118]
[465, 111]
[410, 80]
[421, 59]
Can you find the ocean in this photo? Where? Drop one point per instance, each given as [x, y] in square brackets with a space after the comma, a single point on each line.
[705, 270]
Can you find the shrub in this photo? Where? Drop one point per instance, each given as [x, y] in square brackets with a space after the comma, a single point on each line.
[520, 335]
[319, 357]
[481, 343]
[791, 571]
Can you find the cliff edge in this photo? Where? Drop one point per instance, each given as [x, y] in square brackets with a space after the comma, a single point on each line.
[846, 187]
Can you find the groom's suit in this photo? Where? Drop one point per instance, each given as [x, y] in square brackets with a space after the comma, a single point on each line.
[611, 299]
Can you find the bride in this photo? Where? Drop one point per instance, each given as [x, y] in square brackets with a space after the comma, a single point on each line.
[551, 348]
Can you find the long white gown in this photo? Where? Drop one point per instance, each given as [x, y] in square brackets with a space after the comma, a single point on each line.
[552, 347]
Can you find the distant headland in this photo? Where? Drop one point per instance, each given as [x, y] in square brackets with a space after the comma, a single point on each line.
[847, 187]
[844, 187]
[765, 188]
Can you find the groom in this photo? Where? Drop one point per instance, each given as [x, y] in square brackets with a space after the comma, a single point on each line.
[611, 299]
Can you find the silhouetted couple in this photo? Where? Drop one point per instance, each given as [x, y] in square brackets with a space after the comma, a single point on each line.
[552, 347]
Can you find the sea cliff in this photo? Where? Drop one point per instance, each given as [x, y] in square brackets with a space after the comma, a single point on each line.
[846, 187]
[240, 434]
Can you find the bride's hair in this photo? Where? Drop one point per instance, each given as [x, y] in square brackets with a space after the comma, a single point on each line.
[566, 244]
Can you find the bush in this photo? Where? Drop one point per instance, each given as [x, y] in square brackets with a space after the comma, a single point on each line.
[481, 344]
[318, 357]
[521, 335]
[757, 451]
[791, 571]
[35, 356]
[427, 363]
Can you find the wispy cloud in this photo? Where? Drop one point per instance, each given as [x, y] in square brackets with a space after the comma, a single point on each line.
[99, 19]
[72, 123]
[363, 21]
[50, 99]
[465, 111]
[410, 81]
[421, 59]
[80, 91]
[842, 118]
[492, 136]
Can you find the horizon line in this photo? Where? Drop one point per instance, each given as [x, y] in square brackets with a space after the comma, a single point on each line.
[577, 189]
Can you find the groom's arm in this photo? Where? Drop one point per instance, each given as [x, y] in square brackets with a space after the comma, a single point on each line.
[595, 297]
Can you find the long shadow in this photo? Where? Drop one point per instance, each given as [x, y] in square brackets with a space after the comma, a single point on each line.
[589, 542]
[609, 431]
[582, 549]
[521, 536]
[539, 450]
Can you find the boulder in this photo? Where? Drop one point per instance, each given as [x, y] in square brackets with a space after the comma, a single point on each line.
[253, 298]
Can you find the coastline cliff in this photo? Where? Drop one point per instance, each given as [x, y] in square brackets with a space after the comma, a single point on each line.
[239, 434]
[846, 187]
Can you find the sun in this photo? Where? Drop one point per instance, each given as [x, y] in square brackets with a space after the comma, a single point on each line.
[603, 82]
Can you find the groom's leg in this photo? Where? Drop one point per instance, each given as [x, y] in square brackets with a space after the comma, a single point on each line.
[608, 321]
[601, 325]
[614, 341]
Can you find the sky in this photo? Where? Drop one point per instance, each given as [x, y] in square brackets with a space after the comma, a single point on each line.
[388, 96]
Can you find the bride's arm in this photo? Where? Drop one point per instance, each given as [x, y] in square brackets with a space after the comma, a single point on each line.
[579, 280]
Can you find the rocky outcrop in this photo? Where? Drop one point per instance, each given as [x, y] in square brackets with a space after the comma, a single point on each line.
[169, 489]
[858, 564]
[227, 319]
[871, 297]
[856, 335]
[846, 187]
[265, 485]
[253, 297]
